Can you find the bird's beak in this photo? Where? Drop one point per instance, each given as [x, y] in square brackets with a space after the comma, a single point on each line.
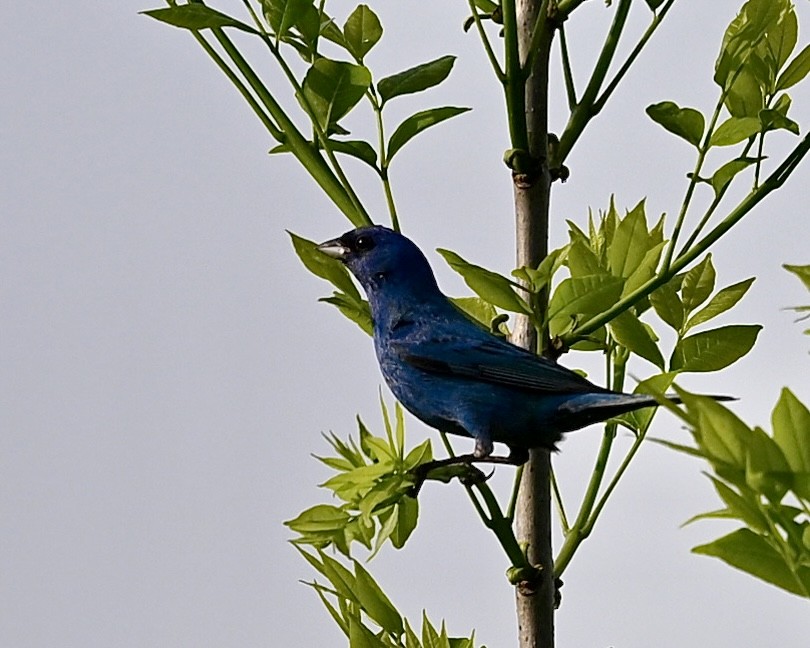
[334, 249]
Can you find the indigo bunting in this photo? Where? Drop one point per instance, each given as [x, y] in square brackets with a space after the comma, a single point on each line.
[451, 372]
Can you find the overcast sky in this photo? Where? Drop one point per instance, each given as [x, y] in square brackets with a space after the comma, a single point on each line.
[166, 370]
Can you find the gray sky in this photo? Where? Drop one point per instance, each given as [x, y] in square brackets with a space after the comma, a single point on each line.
[166, 371]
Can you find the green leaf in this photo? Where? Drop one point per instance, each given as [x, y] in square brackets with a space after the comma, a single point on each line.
[338, 576]
[374, 601]
[285, 14]
[654, 4]
[720, 303]
[481, 311]
[687, 123]
[356, 148]
[322, 517]
[416, 79]
[587, 295]
[668, 305]
[698, 284]
[407, 514]
[766, 469]
[324, 266]
[430, 638]
[196, 16]
[742, 508]
[781, 38]
[714, 349]
[725, 174]
[490, 286]
[357, 310]
[655, 385]
[734, 130]
[631, 241]
[796, 70]
[802, 272]
[720, 434]
[582, 261]
[645, 270]
[745, 97]
[540, 277]
[631, 333]
[333, 88]
[361, 637]
[362, 31]
[752, 554]
[418, 455]
[791, 431]
[418, 122]
[774, 120]
[487, 6]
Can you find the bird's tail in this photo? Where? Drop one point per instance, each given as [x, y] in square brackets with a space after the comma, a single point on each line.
[602, 406]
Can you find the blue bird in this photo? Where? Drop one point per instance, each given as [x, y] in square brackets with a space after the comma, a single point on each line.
[455, 375]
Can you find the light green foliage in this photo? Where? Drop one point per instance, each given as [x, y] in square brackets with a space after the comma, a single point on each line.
[418, 122]
[764, 482]
[416, 79]
[372, 480]
[687, 123]
[329, 90]
[196, 16]
[347, 298]
[752, 71]
[366, 615]
[333, 88]
[489, 286]
[362, 31]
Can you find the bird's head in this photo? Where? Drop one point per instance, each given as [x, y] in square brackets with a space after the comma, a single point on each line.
[384, 261]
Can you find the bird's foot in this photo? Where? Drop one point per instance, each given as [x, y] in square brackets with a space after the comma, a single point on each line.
[462, 467]
[445, 469]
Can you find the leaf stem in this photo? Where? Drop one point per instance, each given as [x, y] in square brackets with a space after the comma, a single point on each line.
[583, 524]
[555, 489]
[693, 181]
[628, 63]
[583, 112]
[515, 83]
[496, 521]
[301, 148]
[493, 60]
[323, 138]
[383, 170]
[568, 75]
[266, 120]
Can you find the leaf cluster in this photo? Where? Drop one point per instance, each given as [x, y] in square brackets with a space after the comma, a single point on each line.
[373, 479]
[335, 82]
[366, 615]
[753, 71]
[764, 482]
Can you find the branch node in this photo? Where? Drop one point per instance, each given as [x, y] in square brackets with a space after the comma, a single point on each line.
[527, 579]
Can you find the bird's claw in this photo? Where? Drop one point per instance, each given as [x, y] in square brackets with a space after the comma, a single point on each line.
[444, 470]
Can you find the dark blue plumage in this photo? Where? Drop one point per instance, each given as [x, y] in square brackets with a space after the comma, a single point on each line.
[452, 373]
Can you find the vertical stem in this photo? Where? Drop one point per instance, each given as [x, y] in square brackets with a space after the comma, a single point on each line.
[534, 601]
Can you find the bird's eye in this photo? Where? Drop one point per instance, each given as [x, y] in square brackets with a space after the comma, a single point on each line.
[363, 243]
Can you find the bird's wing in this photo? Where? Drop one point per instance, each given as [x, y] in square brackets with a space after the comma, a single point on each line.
[494, 361]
